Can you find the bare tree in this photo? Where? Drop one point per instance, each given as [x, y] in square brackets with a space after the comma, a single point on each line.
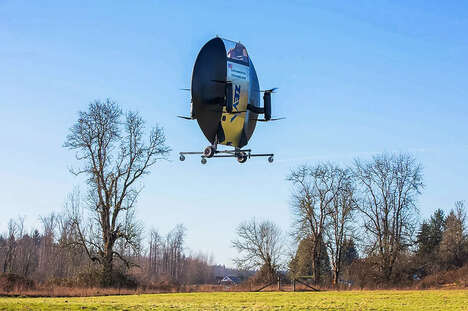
[26, 254]
[11, 244]
[453, 246]
[166, 257]
[314, 191]
[340, 219]
[198, 269]
[47, 255]
[260, 247]
[155, 253]
[173, 257]
[390, 185]
[115, 156]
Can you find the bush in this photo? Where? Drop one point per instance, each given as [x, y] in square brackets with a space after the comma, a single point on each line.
[93, 278]
[451, 278]
[364, 274]
[11, 281]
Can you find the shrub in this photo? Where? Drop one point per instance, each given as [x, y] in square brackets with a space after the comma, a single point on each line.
[11, 281]
[451, 278]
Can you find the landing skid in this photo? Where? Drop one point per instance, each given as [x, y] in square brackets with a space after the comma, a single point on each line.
[241, 154]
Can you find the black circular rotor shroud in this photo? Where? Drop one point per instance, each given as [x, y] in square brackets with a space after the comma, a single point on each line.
[208, 91]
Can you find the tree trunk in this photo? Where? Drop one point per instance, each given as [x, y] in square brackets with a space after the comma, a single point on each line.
[335, 277]
[316, 262]
[107, 263]
[316, 265]
[106, 279]
[387, 272]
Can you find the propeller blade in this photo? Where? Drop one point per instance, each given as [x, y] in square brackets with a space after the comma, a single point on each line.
[184, 89]
[221, 81]
[273, 90]
[186, 118]
[263, 120]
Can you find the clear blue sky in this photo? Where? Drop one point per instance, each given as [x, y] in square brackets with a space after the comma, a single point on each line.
[355, 79]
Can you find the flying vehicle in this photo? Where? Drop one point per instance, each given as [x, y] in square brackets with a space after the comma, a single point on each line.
[226, 100]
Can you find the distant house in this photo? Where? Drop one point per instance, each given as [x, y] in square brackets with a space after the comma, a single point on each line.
[230, 280]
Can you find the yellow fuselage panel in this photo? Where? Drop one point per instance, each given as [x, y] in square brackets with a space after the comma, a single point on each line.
[233, 123]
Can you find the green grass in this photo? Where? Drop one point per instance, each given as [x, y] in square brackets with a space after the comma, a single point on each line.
[332, 300]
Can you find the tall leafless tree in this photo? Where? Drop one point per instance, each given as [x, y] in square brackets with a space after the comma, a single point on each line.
[260, 247]
[156, 246]
[11, 244]
[314, 191]
[115, 156]
[166, 259]
[173, 257]
[340, 226]
[390, 185]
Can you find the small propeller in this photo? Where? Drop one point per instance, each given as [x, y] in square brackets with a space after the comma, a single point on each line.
[184, 89]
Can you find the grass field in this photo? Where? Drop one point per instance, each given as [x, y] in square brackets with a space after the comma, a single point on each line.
[346, 300]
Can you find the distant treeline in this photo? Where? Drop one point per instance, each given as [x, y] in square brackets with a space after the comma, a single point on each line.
[50, 255]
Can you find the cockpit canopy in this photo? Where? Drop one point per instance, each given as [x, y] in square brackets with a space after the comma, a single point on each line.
[236, 52]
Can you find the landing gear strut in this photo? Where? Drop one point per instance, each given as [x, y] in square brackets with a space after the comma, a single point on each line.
[241, 155]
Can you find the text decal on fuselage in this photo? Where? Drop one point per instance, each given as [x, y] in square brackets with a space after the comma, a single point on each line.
[237, 89]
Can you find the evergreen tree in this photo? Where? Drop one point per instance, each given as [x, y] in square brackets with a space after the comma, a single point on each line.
[430, 234]
[453, 246]
[428, 241]
[350, 252]
[302, 263]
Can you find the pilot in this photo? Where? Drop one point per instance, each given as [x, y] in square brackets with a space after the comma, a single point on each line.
[238, 52]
